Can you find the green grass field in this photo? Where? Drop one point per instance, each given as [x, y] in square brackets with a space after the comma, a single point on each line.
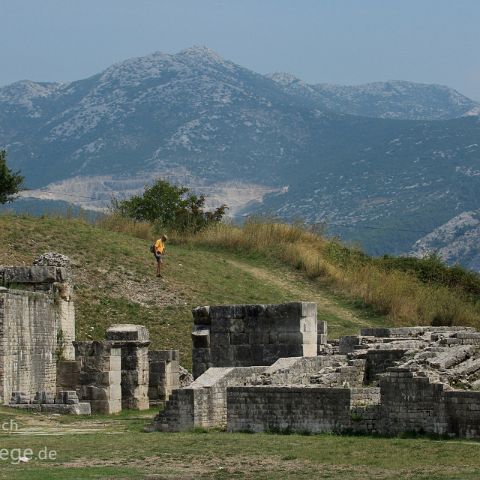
[117, 448]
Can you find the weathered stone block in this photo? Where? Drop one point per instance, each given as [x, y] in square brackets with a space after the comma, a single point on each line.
[18, 398]
[243, 335]
[127, 333]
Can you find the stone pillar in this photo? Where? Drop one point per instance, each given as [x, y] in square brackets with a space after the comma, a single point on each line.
[321, 334]
[164, 375]
[100, 375]
[62, 289]
[65, 320]
[133, 340]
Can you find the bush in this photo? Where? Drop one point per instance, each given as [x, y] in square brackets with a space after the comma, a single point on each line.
[169, 207]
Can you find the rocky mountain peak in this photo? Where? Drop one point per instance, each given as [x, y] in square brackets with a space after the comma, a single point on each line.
[25, 90]
[284, 78]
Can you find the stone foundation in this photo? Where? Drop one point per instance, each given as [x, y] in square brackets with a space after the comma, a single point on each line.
[385, 381]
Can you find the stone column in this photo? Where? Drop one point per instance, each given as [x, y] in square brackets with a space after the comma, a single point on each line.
[133, 340]
[100, 375]
[164, 374]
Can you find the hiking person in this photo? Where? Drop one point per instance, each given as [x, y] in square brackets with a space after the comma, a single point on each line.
[159, 252]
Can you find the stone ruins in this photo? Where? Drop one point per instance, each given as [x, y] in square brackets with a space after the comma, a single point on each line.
[270, 368]
[256, 368]
[43, 368]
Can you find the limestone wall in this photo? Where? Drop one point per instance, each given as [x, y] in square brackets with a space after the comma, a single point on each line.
[281, 409]
[37, 327]
[403, 403]
[28, 343]
[247, 335]
[204, 403]
[414, 404]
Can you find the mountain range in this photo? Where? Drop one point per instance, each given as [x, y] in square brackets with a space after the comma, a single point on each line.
[387, 165]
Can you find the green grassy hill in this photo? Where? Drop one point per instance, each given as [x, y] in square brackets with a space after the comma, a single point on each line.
[115, 281]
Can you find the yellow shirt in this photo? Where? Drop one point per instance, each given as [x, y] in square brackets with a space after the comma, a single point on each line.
[159, 247]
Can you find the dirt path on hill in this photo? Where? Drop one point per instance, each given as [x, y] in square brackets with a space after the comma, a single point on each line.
[290, 281]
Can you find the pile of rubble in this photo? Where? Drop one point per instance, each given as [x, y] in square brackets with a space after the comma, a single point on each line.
[448, 355]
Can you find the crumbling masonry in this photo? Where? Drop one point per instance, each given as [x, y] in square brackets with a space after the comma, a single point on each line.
[257, 370]
[257, 367]
[43, 368]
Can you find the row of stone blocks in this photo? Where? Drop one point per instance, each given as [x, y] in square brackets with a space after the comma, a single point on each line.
[63, 402]
[62, 397]
[404, 403]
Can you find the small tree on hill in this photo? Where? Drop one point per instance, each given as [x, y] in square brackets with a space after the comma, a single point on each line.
[10, 182]
[169, 206]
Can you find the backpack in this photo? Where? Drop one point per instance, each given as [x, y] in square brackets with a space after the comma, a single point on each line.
[152, 248]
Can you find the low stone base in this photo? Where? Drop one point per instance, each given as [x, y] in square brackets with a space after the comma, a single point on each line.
[82, 408]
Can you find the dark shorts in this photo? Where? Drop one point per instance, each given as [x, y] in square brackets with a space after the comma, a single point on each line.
[158, 257]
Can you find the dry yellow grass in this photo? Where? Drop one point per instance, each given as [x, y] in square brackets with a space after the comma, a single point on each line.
[405, 299]
[117, 223]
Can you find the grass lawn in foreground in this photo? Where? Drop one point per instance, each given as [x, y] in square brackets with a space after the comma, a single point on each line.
[116, 447]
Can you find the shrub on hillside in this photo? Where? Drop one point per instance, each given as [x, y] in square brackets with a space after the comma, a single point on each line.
[169, 207]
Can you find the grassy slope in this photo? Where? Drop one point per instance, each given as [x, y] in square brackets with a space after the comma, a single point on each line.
[115, 280]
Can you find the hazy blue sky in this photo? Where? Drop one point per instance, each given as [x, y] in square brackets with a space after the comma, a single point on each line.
[336, 41]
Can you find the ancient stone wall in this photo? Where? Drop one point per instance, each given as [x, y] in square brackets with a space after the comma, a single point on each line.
[203, 403]
[247, 335]
[37, 327]
[385, 381]
[54, 281]
[287, 408]
[28, 343]
[403, 403]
